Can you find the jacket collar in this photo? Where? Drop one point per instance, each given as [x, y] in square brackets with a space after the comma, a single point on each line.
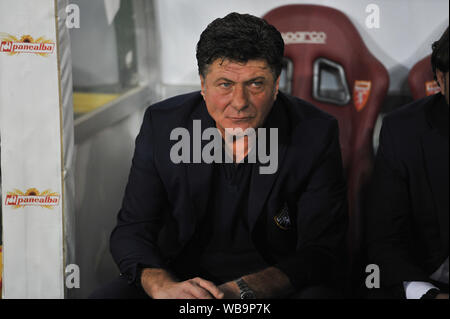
[261, 184]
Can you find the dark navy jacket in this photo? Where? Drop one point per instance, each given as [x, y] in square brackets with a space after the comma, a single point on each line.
[407, 220]
[165, 202]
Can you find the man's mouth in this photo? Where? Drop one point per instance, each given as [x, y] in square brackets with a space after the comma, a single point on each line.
[240, 118]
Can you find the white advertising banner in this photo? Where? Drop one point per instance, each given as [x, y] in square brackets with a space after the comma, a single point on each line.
[32, 152]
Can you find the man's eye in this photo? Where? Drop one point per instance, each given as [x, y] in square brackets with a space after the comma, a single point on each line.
[257, 84]
[225, 85]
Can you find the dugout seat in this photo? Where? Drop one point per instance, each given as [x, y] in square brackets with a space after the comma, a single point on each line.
[421, 79]
[333, 69]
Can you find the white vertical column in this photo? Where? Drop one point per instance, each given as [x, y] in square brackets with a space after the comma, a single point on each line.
[31, 122]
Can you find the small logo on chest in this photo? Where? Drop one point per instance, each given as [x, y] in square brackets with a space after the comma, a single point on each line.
[282, 219]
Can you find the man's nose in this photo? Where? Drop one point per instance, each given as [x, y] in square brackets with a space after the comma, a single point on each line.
[240, 98]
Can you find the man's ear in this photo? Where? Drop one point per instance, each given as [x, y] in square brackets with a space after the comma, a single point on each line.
[440, 76]
[202, 83]
[277, 86]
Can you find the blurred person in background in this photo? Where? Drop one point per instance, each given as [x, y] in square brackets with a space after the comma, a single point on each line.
[408, 210]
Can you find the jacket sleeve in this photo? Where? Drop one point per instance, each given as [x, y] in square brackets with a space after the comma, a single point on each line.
[133, 242]
[321, 221]
[389, 217]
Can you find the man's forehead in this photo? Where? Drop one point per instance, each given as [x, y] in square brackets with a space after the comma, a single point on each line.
[226, 61]
[230, 66]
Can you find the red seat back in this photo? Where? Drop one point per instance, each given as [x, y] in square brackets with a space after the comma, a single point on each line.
[421, 79]
[312, 32]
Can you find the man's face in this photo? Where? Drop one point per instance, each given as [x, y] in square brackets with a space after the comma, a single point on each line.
[239, 95]
[443, 83]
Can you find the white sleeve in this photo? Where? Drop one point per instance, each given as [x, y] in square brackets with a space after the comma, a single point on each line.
[416, 289]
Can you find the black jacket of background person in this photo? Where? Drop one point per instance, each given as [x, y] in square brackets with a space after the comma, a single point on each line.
[161, 195]
[408, 211]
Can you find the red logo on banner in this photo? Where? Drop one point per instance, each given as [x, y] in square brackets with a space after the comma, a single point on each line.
[32, 197]
[361, 93]
[26, 44]
[431, 88]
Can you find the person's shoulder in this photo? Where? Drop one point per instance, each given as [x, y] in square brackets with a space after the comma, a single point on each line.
[300, 110]
[411, 116]
[405, 126]
[308, 126]
[177, 103]
[174, 111]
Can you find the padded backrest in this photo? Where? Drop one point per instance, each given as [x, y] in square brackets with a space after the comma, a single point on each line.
[312, 32]
[324, 40]
[421, 79]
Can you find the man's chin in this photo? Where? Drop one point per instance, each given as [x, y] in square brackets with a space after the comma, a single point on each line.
[237, 129]
[240, 125]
